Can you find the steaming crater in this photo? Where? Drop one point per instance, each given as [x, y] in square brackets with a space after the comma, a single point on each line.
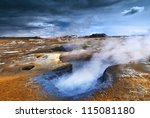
[73, 84]
[97, 73]
[109, 77]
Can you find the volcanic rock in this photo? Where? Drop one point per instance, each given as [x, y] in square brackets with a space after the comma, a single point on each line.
[132, 70]
[129, 82]
[28, 67]
[60, 70]
[76, 56]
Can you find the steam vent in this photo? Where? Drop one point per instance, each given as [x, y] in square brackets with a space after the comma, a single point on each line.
[75, 68]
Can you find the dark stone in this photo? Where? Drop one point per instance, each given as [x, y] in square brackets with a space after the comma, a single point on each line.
[58, 48]
[49, 49]
[82, 56]
[111, 70]
[96, 35]
[66, 68]
[69, 36]
[60, 71]
[28, 67]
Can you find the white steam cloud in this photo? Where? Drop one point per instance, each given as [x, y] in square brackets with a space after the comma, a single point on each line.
[113, 51]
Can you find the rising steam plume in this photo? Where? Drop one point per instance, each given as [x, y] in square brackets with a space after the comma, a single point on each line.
[85, 78]
[113, 51]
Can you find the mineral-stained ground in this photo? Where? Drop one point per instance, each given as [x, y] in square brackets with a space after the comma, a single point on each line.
[22, 59]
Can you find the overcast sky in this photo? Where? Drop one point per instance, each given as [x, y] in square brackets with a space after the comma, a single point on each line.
[73, 17]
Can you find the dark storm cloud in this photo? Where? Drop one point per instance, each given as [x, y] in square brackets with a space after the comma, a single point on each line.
[132, 11]
[53, 6]
[57, 16]
[8, 24]
[20, 14]
[50, 7]
[60, 23]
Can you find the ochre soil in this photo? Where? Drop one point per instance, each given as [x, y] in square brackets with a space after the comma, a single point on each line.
[16, 84]
[16, 87]
[126, 89]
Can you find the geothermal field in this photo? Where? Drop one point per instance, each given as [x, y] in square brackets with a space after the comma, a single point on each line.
[75, 68]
